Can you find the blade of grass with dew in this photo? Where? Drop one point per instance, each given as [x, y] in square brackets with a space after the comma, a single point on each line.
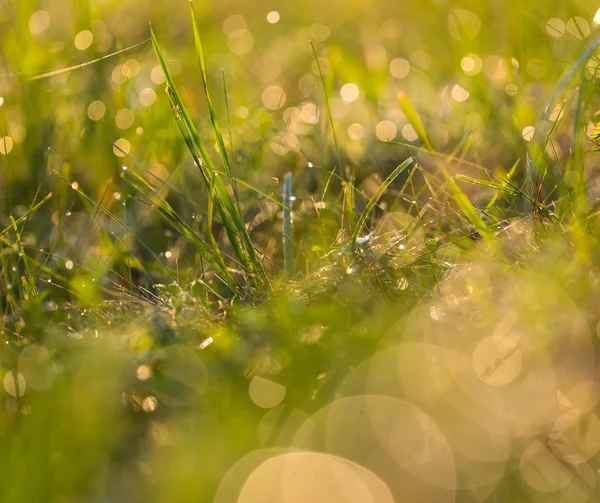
[228, 211]
[460, 197]
[211, 180]
[375, 198]
[222, 151]
[257, 264]
[211, 110]
[486, 183]
[488, 172]
[579, 141]
[226, 99]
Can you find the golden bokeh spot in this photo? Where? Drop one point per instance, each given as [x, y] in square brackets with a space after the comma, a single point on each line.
[273, 97]
[15, 387]
[399, 68]
[463, 24]
[121, 147]
[386, 130]
[84, 39]
[124, 118]
[234, 23]
[556, 27]
[147, 96]
[349, 92]
[96, 110]
[471, 64]
[528, 132]
[578, 28]
[320, 32]
[6, 145]
[409, 133]
[266, 393]
[273, 17]
[39, 22]
[356, 131]
[459, 93]
[157, 75]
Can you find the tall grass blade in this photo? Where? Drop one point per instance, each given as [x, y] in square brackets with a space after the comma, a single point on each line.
[375, 197]
[460, 197]
[228, 210]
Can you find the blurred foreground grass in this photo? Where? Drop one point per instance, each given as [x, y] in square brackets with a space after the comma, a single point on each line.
[337, 252]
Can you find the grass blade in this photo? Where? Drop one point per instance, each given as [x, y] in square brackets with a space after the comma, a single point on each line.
[504, 184]
[87, 63]
[228, 210]
[414, 120]
[26, 216]
[375, 197]
[460, 197]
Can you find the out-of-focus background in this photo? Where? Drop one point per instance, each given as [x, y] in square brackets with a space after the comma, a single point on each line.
[415, 364]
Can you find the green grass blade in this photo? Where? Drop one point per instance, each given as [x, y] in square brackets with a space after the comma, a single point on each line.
[26, 216]
[211, 110]
[222, 149]
[375, 198]
[460, 197]
[504, 184]
[568, 76]
[414, 120]
[229, 213]
[487, 183]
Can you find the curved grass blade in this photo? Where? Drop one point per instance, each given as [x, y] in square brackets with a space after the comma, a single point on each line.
[87, 63]
[26, 216]
[460, 197]
[414, 120]
[568, 75]
[211, 110]
[375, 198]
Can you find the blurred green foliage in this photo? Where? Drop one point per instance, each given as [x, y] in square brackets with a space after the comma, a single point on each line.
[433, 336]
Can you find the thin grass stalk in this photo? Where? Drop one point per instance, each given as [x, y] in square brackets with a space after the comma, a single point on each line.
[288, 245]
